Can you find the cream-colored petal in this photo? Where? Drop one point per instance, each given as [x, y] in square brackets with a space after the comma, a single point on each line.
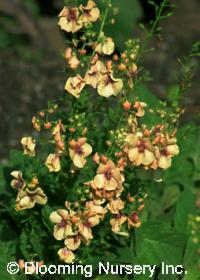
[59, 232]
[72, 243]
[148, 157]
[41, 199]
[85, 232]
[68, 230]
[16, 174]
[173, 149]
[25, 203]
[99, 181]
[79, 161]
[133, 154]
[94, 221]
[111, 184]
[108, 47]
[66, 255]
[87, 149]
[117, 86]
[63, 213]
[55, 217]
[105, 90]
[164, 162]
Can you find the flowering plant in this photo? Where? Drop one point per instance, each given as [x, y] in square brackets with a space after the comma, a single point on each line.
[101, 156]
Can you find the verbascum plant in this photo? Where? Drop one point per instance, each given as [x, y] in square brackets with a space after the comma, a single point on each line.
[92, 142]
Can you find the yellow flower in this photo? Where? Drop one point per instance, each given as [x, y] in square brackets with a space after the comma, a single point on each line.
[53, 163]
[139, 107]
[66, 255]
[78, 151]
[93, 213]
[18, 181]
[140, 151]
[69, 20]
[117, 222]
[167, 153]
[63, 227]
[134, 221]
[108, 181]
[73, 242]
[26, 199]
[115, 206]
[60, 146]
[29, 146]
[108, 85]
[90, 12]
[93, 76]
[106, 45]
[85, 232]
[75, 85]
[72, 60]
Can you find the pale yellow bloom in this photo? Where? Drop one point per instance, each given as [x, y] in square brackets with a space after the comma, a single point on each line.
[18, 181]
[140, 108]
[73, 62]
[90, 13]
[115, 206]
[140, 150]
[108, 181]
[134, 221]
[53, 163]
[167, 153]
[66, 255]
[117, 222]
[72, 59]
[73, 242]
[106, 45]
[63, 227]
[78, 151]
[93, 76]
[69, 20]
[26, 199]
[74, 85]
[93, 213]
[29, 146]
[85, 232]
[57, 130]
[108, 85]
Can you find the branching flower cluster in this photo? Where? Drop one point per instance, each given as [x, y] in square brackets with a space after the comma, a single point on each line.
[105, 197]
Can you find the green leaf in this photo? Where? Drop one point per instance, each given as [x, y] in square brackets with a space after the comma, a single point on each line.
[168, 277]
[184, 207]
[190, 256]
[8, 249]
[192, 273]
[25, 246]
[125, 255]
[157, 242]
[46, 211]
[108, 277]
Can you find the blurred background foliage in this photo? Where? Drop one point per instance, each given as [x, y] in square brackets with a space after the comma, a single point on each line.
[32, 65]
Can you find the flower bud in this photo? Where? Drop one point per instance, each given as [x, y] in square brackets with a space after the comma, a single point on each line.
[126, 105]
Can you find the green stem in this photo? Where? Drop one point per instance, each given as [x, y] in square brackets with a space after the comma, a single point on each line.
[153, 28]
[100, 30]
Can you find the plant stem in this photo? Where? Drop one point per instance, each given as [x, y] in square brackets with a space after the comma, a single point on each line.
[153, 28]
[100, 30]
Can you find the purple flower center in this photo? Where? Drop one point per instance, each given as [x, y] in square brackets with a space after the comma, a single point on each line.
[108, 174]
